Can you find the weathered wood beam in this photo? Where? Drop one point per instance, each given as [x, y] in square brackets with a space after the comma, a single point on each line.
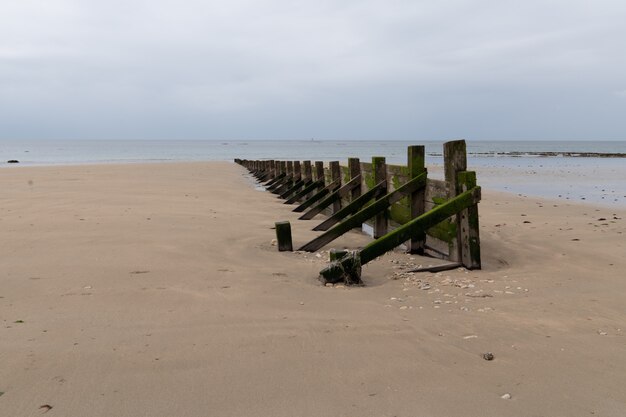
[380, 174]
[308, 188]
[454, 161]
[317, 196]
[283, 236]
[437, 268]
[352, 208]
[337, 195]
[354, 167]
[469, 239]
[366, 213]
[335, 175]
[416, 156]
[294, 188]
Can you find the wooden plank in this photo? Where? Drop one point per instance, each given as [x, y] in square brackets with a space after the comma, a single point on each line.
[351, 208]
[366, 213]
[436, 268]
[333, 197]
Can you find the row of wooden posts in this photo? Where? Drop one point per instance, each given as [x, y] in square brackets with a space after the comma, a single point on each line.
[433, 217]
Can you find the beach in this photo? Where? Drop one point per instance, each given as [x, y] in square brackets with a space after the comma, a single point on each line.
[155, 290]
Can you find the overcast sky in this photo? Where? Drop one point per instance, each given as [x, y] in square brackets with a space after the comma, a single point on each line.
[278, 69]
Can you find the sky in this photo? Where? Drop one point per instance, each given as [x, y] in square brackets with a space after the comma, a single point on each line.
[342, 69]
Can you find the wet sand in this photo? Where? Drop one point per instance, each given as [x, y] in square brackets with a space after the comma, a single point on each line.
[154, 290]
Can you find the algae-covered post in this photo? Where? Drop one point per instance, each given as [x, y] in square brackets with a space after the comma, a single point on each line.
[469, 239]
[380, 175]
[454, 161]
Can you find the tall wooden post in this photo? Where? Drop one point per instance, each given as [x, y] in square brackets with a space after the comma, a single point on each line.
[379, 167]
[416, 164]
[335, 175]
[454, 161]
[273, 173]
[307, 171]
[319, 170]
[289, 168]
[354, 166]
[297, 173]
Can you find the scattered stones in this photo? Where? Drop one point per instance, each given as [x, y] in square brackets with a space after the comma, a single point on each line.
[471, 336]
[488, 356]
[274, 242]
[506, 396]
[602, 333]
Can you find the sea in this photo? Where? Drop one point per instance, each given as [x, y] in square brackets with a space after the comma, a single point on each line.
[578, 171]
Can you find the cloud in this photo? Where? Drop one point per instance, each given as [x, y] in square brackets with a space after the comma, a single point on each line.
[267, 68]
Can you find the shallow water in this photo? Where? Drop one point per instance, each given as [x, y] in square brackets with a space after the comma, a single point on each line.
[595, 180]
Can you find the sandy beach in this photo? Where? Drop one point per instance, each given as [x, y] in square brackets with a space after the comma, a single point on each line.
[154, 290]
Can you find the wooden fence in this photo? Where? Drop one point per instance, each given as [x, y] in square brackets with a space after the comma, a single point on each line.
[383, 196]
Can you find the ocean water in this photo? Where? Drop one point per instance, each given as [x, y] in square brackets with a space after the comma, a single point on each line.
[513, 166]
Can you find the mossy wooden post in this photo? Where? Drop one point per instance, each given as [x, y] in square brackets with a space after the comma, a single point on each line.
[273, 173]
[319, 170]
[454, 161]
[283, 236]
[416, 165]
[335, 174]
[380, 175]
[354, 166]
[290, 168]
[468, 226]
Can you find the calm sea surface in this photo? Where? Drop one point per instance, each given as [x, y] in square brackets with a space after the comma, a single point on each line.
[590, 179]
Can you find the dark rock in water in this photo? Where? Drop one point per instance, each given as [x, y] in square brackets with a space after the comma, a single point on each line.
[13, 161]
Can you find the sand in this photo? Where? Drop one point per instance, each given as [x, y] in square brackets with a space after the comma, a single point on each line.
[154, 290]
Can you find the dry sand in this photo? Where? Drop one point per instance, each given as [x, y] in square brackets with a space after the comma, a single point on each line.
[153, 290]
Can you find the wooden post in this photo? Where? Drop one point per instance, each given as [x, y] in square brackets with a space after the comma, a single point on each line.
[380, 174]
[335, 174]
[454, 161]
[283, 236]
[273, 173]
[289, 168]
[308, 175]
[297, 172]
[319, 170]
[416, 164]
[469, 236]
[354, 166]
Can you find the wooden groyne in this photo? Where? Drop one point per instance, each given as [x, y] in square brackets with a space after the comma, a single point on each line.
[431, 217]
